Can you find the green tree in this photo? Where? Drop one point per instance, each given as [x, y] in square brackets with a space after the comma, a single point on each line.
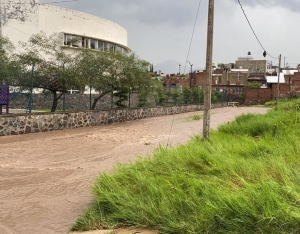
[187, 95]
[94, 71]
[109, 72]
[216, 96]
[252, 85]
[54, 66]
[221, 65]
[176, 95]
[10, 68]
[122, 95]
[197, 95]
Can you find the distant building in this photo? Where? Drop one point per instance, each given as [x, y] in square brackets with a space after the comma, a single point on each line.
[251, 64]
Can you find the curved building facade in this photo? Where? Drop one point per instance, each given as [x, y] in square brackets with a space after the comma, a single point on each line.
[22, 18]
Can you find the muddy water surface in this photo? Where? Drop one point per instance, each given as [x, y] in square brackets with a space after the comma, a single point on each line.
[45, 178]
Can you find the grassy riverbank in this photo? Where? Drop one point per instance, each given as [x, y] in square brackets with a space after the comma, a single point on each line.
[245, 179]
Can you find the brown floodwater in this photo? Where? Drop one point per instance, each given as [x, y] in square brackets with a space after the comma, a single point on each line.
[45, 178]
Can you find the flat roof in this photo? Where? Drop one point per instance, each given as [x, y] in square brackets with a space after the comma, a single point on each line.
[274, 79]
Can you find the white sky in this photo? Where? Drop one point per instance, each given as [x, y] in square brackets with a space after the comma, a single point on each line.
[160, 31]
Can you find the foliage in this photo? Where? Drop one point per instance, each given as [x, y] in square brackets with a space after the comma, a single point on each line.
[197, 95]
[221, 65]
[244, 180]
[122, 95]
[216, 96]
[159, 93]
[252, 85]
[176, 95]
[53, 66]
[107, 72]
[10, 69]
[187, 95]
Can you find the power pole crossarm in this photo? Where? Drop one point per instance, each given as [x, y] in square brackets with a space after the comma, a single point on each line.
[209, 52]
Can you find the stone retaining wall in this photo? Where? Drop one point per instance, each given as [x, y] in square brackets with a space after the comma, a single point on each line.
[17, 124]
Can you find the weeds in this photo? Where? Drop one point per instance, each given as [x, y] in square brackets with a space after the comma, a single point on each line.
[245, 179]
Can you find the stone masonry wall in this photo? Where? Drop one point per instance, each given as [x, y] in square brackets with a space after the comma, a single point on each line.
[17, 124]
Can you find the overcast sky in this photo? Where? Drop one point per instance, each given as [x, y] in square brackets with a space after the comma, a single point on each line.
[160, 31]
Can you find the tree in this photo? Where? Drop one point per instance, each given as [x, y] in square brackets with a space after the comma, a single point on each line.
[252, 85]
[159, 93]
[175, 93]
[53, 65]
[109, 72]
[187, 95]
[197, 95]
[221, 65]
[10, 69]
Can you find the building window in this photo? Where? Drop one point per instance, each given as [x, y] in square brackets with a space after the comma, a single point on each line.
[93, 43]
[106, 46]
[84, 42]
[72, 40]
[100, 45]
[118, 49]
[68, 39]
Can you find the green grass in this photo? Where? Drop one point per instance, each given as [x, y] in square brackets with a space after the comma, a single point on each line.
[245, 179]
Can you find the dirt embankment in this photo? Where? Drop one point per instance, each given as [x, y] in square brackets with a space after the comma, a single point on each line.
[45, 178]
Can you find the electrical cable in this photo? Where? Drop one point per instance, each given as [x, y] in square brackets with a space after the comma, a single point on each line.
[254, 31]
[17, 29]
[185, 63]
[189, 50]
[61, 1]
[171, 129]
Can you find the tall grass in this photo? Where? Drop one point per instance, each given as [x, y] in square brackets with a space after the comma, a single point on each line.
[245, 179]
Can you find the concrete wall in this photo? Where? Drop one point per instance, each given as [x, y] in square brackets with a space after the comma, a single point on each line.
[53, 19]
[18, 124]
[26, 17]
[252, 65]
[20, 20]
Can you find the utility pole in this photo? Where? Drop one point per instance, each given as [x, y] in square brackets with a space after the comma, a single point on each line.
[191, 73]
[278, 81]
[209, 52]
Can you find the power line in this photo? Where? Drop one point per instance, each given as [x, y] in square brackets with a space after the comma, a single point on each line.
[61, 1]
[293, 57]
[17, 29]
[254, 31]
[187, 58]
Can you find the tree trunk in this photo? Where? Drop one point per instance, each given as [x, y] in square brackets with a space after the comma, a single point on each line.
[99, 98]
[55, 100]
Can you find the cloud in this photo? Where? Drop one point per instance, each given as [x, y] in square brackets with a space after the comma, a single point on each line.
[159, 31]
[154, 12]
[293, 5]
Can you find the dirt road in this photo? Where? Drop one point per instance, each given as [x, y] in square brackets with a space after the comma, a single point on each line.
[45, 178]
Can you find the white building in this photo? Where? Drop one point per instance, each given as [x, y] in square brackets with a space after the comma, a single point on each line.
[19, 19]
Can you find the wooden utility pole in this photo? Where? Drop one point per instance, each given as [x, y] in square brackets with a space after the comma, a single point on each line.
[209, 52]
[278, 81]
